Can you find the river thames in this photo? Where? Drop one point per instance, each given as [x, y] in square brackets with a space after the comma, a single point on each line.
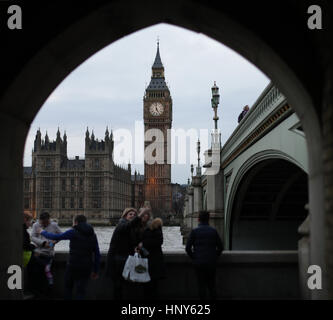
[172, 239]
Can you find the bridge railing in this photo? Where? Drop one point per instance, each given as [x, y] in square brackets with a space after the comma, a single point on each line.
[270, 99]
[240, 275]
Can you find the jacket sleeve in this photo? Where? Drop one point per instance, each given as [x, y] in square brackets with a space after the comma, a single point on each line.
[219, 244]
[62, 236]
[35, 237]
[189, 244]
[97, 257]
[123, 227]
[58, 230]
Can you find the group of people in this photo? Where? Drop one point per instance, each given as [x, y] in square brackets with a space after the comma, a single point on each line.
[84, 255]
[136, 232]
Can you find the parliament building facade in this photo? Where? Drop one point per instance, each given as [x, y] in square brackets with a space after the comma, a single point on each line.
[96, 186]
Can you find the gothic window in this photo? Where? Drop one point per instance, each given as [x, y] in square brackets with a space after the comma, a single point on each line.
[47, 184]
[47, 203]
[81, 184]
[26, 185]
[97, 203]
[26, 203]
[97, 164]
[81, 203]
[63, 184]
[48, 164]
[72, 184]
[72, 203]
[96, 184]
[63, 203]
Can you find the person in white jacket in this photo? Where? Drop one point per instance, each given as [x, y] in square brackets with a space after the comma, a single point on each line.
[44, 252]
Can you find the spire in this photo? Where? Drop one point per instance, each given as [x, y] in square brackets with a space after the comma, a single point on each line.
[46, 138]
[158, 62]
[58, 135]
[107, 134]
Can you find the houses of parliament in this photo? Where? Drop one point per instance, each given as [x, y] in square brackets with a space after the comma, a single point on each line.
[95, 186]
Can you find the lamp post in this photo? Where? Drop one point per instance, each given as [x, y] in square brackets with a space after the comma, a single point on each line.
[198, 152]
[215, 102]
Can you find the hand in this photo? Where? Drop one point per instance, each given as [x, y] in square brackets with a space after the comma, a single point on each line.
[94, 276]
[144, 211]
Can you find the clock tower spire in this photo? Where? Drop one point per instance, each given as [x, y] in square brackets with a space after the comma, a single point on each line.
[157, 114]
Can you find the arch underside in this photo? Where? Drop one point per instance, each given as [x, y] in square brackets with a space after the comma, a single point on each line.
[268, 207]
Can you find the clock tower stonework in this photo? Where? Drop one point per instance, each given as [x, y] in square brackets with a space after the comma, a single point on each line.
[157, 114]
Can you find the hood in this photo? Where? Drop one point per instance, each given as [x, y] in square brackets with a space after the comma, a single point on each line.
[84, 228]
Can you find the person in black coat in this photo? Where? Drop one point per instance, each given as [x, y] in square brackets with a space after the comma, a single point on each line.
[125, 239]
[84, 256]
[204, 246]
[27, 245]
[152, 242]
[243, 113]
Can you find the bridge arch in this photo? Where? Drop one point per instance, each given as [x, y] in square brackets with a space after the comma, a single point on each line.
[48, 61]
[285, 173]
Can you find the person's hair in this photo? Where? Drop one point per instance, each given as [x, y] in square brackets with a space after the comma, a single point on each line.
[27, 216]
[203, 216]
[156, 223]
[127, 210]
[80, 218]
[44, 216]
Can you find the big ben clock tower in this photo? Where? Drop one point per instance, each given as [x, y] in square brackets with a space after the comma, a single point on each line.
[157, 113]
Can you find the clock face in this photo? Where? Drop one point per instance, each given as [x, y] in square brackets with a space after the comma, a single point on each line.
[156, 109]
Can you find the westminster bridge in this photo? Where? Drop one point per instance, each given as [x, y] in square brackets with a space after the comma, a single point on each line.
[258, 198]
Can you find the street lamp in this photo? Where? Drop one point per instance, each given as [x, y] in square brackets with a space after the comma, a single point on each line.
[215, 102]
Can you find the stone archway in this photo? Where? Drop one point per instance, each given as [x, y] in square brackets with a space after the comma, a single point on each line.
[68, 45]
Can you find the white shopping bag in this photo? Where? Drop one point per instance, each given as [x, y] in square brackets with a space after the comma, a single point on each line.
[136, 269]
[128, 267]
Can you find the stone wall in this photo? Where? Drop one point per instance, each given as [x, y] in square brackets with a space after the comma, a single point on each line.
[240, 275]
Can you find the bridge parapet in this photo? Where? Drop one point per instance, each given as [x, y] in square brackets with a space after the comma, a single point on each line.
[267, 103]
[240, 275]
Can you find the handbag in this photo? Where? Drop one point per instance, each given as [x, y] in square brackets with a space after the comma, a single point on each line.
[136, 269]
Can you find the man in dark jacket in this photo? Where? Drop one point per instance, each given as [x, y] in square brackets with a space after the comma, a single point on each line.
[243, 113]
[204, 246]
[81, 265]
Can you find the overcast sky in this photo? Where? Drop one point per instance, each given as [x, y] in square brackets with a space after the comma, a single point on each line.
[108, 89]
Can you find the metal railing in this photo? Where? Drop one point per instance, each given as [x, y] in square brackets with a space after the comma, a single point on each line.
[270, 99]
